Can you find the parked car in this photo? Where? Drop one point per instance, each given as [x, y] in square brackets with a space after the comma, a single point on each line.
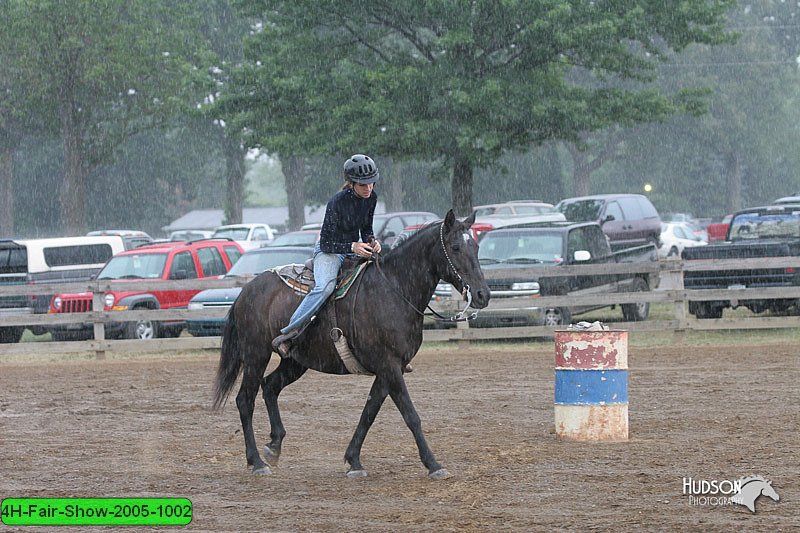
[165, 261]
[45, 262]
[757, 232]
[251, 263]
[190, 235]
[248, 236]
[301, 237]
[515, 252]
[718, 231]
[518, 207]
[627, 219]
[130, 238]
[387, 226]
[675, 236]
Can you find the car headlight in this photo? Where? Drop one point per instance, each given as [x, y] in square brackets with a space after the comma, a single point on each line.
[57, 303]
[108, 300]
[525, 286]
[194, 306]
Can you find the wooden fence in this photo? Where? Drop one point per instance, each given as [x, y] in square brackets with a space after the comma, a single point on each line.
[671, 292]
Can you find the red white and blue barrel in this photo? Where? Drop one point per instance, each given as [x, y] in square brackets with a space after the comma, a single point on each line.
[591, 385]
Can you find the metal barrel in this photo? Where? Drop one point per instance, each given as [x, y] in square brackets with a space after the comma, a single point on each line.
[591, 385]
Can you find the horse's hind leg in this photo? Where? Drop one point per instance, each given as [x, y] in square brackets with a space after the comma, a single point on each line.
[245, 401]
[288, 372]
[352, 456]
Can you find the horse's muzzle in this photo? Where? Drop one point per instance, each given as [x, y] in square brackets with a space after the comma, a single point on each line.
[480, 297]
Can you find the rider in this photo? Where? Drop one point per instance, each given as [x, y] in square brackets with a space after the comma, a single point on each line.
[348, 216]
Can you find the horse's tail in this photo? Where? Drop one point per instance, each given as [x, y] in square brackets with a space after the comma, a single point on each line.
[230, 361]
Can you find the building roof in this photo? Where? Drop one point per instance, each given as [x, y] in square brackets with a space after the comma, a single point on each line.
[210, 219]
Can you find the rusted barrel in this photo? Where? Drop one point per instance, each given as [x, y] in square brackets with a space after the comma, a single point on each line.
[591, 385]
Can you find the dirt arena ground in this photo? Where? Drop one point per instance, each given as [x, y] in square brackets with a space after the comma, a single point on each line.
[142, 427]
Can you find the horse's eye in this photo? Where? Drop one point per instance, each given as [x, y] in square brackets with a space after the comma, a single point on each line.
[456, 247]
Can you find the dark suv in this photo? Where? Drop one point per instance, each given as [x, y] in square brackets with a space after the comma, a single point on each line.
[209, 258]
[627, 219]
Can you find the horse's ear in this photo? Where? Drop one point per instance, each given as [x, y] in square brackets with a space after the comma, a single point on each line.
[469, 221]
[449, 219]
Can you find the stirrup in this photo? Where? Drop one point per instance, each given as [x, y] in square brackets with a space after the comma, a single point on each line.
[282, 343]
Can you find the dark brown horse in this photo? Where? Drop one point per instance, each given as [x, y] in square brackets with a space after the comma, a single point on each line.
[382, 319]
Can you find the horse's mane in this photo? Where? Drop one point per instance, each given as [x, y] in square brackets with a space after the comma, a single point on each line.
[424, 229]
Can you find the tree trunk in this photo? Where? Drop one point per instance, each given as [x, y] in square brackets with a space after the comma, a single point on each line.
[294, 172]
[733, 178]
[73, 193]
[461, 187]
[7, 192]
[392, 186]
[73, 197]
[234, 166]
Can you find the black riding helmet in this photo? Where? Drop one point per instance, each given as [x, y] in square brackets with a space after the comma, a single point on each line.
[361, 169]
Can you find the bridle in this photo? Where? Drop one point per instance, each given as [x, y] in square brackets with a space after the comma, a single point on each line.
[465, 292]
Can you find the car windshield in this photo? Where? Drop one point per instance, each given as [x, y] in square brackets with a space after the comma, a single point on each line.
[256, 263]
[237, 234]
[749, 226]
[137, 266]
[581, 210]
[515, 247]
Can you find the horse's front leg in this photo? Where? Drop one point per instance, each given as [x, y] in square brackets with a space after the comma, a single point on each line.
[402, 399]
[288, 372]
[377, 394]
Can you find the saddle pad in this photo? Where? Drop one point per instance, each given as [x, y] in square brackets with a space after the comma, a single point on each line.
[301, 279]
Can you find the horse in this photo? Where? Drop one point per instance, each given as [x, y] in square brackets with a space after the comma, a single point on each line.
[381, 316]
[751, 488]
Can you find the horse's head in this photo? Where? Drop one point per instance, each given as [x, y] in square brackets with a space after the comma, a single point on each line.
[461, 267]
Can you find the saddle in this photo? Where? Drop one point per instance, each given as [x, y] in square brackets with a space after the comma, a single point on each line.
[300, 278]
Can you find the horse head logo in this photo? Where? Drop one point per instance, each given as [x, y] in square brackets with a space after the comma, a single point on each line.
[751, 488]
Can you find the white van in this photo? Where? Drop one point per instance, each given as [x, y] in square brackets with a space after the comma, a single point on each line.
[47, 261]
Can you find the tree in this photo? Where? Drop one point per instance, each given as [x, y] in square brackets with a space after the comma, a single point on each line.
[111, 67]
[456, 83]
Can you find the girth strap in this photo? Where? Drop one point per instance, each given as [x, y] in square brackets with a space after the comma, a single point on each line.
[342, 348]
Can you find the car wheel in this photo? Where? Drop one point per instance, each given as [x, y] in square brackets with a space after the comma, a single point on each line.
[11, 334]
[171, 332]
[556, 316]
[142, 330]
[639, 311]
[705, 310]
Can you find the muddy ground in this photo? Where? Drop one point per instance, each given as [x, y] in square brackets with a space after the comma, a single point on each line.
[143, 427]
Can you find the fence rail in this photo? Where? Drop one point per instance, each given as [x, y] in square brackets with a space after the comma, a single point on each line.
[670, 272]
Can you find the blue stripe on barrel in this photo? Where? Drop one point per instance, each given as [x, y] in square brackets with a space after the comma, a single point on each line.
[587, 387]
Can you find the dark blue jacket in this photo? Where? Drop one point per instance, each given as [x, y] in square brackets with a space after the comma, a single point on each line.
[348, 219]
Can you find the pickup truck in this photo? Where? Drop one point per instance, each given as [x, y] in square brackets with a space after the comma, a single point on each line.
[513, 251]
[769, 231]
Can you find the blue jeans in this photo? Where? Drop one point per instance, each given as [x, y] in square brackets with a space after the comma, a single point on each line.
[326, 268]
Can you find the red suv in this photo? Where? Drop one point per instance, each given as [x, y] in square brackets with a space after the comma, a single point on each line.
[164, 261]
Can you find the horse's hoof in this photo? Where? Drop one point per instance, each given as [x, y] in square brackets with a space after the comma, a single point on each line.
[353, 474]
[442, 473]
[271, 456]
[263, 471]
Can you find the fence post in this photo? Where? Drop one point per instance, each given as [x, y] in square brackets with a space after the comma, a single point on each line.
[99, 326]
[675, 278]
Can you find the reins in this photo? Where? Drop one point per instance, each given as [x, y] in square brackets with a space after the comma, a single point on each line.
[460, 316]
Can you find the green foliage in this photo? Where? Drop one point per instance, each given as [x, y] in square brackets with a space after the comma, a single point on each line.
[447, 81]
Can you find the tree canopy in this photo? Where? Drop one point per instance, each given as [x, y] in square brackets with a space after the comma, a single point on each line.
[459, 83]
